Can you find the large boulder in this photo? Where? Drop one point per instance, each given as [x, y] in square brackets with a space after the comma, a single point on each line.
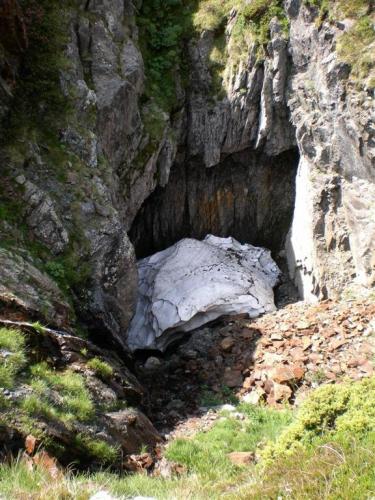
[194, 282]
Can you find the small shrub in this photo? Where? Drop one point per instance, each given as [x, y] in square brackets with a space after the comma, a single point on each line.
[101, 368]
[331, 411]
[55, 270]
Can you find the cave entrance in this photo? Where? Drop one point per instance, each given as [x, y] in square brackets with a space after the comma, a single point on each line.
[248, 196]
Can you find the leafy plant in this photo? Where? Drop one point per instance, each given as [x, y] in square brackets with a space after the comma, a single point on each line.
[164, 27]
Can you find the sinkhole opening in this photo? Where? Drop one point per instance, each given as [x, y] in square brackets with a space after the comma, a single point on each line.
[249, 197]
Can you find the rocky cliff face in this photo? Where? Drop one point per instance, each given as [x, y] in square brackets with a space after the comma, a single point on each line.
[223, 159]
[331, 243]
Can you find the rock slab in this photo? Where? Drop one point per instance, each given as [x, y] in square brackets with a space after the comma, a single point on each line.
[194, 282]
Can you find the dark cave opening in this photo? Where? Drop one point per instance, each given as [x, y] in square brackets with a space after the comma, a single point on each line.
[248, 196]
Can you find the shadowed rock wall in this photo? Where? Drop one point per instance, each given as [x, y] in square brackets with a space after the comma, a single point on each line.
[248, 196]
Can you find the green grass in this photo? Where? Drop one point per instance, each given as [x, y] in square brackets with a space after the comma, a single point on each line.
[58, 395]
[101, 368]
[99, 449]
[212, 14]
[339, 469]
[356, 47]
[334, 458]
[12, 356]
[206, 454]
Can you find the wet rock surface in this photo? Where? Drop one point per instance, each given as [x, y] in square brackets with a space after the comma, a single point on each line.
[195, 282]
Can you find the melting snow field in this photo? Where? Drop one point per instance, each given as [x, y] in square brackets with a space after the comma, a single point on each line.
[194, 282]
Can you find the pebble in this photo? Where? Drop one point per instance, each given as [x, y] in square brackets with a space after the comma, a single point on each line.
[152, 363]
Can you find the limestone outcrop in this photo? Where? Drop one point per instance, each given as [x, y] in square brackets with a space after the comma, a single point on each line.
[332, 239]
[194, 282]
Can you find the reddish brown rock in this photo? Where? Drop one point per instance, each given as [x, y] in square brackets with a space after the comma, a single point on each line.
[233, 378]
[281, 392]
[241, 457]
[287, 374]
[227, 344]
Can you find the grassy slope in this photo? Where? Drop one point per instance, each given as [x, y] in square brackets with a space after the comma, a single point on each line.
[47, 395]
[326, 451]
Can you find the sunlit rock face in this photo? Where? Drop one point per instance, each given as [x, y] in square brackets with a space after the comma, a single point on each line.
[194, 282]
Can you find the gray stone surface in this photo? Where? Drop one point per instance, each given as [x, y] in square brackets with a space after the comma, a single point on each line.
[194, 282]
[332, 239]
[226, 162]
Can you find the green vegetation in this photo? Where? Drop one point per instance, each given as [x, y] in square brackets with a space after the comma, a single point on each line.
[12, 356]
[251, 26]
[212, 14]
[210, 398]
[68, 271]
[101, 368]
[330, 469]
[97, 448]
[356, 47]
[58, 395]
[206, 454]
[260, 13]
[322, 7]
[38, 98]
[164, 27]
[326, 450]
[333, 411]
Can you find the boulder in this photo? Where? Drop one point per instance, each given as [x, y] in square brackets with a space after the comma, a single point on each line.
[194, 282]
[131, 430]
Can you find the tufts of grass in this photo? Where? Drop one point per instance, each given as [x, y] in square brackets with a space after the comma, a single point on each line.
[38, 327]
[12, 356]
[58, 395]
[101, 368]
[335, 458]
[212, 14]
[329, 469]
[18, 481]
[356, 47]
[98, 449]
